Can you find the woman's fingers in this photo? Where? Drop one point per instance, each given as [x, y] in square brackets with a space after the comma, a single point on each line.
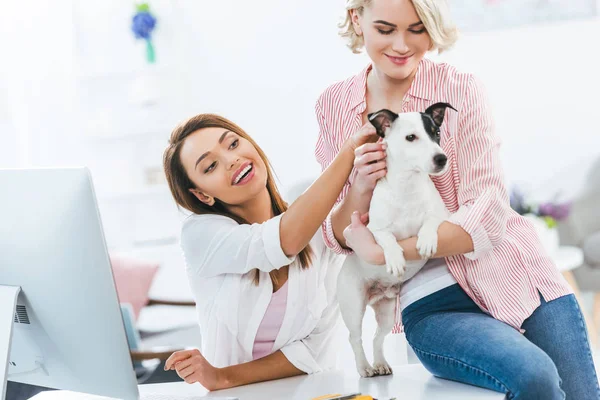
[364, 218]
[369, 158]
[364, 135]
[183, 364]
[376, 175]
[178, 356]
[186, 372]
[367, 130]
[355, 220]
[371, 168]
[368, 148]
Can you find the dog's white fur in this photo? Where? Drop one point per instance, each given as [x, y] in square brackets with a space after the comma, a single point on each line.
[405, 203]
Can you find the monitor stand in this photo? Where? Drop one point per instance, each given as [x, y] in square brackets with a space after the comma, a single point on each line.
[8, 304]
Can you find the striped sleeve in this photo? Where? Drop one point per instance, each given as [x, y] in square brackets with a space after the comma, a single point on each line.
[325, 152]
[484, 205]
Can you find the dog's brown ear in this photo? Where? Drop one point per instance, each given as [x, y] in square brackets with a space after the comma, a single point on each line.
[437, 111]
[382, 120]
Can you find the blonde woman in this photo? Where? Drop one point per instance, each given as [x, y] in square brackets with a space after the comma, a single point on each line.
[490, 308]
[262, 279]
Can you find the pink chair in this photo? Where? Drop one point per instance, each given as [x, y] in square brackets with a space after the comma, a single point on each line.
[133, 279]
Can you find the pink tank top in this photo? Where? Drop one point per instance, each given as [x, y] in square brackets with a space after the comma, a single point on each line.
[271, 323]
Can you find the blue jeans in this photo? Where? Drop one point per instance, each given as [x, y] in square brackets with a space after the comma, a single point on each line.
[455, 339]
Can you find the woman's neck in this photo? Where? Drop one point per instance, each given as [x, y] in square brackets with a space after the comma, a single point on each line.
[387, 90]
[256, 210]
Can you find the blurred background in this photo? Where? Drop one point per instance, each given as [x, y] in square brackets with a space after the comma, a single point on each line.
[78, 88]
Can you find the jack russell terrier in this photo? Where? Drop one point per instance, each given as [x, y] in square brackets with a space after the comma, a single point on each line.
[405, 203]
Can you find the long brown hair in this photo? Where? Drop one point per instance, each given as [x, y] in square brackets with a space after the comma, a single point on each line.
[180, 183]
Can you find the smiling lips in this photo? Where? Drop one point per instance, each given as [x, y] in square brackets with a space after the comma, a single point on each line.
[399, 60]
[244, 173]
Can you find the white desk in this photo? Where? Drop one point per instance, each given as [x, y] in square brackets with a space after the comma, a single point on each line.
[408, 382]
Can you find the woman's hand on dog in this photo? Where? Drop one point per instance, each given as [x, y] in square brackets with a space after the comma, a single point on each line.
[370, 164]
[366, 134]
[360, 239]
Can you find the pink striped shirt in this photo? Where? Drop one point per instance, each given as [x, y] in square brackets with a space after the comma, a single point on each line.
[508, 265]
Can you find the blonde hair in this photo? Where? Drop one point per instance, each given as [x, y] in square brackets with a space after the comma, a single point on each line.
[434, 14]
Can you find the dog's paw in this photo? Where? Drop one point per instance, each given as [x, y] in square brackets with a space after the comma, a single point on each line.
[366, 371]
[395, 263]
[382, 368]
[427, 244]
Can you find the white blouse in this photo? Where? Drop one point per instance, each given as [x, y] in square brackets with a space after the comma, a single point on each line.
[221, 256]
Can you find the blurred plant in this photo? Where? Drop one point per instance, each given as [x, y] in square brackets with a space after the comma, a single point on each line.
[142, 25]
[551, 212]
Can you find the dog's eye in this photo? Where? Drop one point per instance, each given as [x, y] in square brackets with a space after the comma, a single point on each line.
[411, 138]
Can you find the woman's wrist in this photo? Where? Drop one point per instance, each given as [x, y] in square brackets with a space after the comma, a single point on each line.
[346, 155]
[225, 380]
[377, 256]
[371, 254]
[349, 145]
[362, 195]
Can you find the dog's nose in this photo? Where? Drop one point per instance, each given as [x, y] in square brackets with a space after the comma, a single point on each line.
[440, 160]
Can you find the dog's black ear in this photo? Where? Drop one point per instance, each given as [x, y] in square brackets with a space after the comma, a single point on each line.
[437, 112]
[382, 120]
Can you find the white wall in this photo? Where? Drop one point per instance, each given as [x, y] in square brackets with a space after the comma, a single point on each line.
[263, 65]
[8, 140]
[36, 54]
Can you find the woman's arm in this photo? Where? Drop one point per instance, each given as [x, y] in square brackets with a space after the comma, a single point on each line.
[273, 366]
[482, 195]
[340, 216]
[304, 217]
[192, 367]
[452, 240]
[370, 166]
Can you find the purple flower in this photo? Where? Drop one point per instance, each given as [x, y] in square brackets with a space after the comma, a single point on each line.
[142, 25]
[546, 209]
[556, 211]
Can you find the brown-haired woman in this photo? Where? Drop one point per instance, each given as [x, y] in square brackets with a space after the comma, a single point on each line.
[263, 281]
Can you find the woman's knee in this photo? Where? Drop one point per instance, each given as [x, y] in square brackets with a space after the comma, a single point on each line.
[536, 378]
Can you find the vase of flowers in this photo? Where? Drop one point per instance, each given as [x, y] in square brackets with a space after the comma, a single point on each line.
[543, 215]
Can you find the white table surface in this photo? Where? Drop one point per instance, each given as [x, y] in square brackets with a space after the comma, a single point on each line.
[408, 382]
[568, 258]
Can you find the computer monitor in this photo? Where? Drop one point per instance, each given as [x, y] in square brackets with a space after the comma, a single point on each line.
[68, 332]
